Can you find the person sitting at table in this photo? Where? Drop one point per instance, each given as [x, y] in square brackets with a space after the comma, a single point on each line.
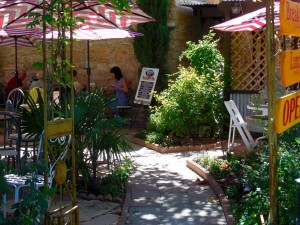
[36, 82]
[17, 83]
[120, 86]
[121, 90]
[77, 86]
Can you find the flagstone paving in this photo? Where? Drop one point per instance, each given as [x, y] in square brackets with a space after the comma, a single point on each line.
[164, 192]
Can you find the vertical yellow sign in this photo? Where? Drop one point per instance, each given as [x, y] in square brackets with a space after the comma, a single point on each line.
[289, 18]
[290, 67]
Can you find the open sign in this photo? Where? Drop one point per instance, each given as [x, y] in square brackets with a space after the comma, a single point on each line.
[287, 112]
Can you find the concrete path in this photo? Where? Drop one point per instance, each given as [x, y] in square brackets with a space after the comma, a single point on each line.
[164, 192]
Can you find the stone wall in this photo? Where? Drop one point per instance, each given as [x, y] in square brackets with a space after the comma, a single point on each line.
[105, 54]
[183, 24]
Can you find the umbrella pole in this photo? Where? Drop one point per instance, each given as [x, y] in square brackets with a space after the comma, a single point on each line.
[88, 68]
[16, 60]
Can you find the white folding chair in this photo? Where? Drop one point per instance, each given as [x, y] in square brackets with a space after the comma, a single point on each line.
[237, 122]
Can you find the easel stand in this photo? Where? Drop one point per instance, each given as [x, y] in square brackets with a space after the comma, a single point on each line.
[139, 112]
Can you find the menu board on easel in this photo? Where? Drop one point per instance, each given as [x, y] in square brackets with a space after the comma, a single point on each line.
[146, 86]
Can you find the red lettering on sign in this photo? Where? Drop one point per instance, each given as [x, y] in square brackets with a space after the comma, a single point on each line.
[297, 108]
[285, 113]
[292, 109]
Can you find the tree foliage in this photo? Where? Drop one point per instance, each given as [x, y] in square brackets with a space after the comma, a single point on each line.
[205, 56]
[151, 50]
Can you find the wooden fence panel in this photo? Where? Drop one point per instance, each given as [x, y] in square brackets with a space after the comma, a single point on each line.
[249, 61]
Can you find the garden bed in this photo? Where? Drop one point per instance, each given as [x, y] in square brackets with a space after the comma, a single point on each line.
[201, 171]
[200, 145]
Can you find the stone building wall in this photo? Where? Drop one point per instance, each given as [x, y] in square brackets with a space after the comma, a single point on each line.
[105, 54]
[183, 27]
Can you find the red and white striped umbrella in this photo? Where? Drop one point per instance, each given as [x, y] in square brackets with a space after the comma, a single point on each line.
[16, 14]
[96, 15]
[29, 37]
[250, 21]
[95, 34]
[17, 37]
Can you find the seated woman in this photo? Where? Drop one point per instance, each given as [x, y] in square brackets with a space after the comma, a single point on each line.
[120, 87]
[77, 86]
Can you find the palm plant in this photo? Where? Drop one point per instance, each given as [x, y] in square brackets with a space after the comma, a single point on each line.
[32, 120]
[95, 133]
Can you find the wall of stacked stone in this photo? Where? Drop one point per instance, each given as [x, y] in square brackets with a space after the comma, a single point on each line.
[105, 54]
[182, 24]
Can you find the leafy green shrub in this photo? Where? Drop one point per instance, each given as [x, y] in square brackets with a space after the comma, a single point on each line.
[189, 106]
[113, 183]
[205, 56]
[192, 105]
[246, 182]
[157, 138]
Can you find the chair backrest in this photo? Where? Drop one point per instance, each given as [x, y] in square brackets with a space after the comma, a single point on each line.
[234, 111]
[15, 98]
[10, 124]
[237, 121]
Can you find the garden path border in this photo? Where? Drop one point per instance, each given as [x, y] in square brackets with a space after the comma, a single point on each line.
[204, 173]
[125, 207]
[174, 149]
[201, 171]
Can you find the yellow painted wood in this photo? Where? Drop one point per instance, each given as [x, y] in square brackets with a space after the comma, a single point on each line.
[289, 18]
[287, 112]
[290, 67]
[59, 128]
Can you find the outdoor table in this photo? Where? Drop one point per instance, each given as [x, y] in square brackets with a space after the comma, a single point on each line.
[263, 108]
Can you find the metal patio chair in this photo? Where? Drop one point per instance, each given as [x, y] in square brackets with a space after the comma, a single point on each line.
[18, 182]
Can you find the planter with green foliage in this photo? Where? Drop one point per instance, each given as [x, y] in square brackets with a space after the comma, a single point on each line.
[192, 105]
[245, 180]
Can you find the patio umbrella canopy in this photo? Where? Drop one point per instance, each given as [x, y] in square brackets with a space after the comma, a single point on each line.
[250, 21]
[89, 34]
[17, 37]
[16, 14]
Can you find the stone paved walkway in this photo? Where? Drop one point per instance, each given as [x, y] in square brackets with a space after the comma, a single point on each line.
[164, 192]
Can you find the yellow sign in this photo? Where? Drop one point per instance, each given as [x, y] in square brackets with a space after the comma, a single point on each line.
[290, 67]
[289, 18]
[287, 112]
